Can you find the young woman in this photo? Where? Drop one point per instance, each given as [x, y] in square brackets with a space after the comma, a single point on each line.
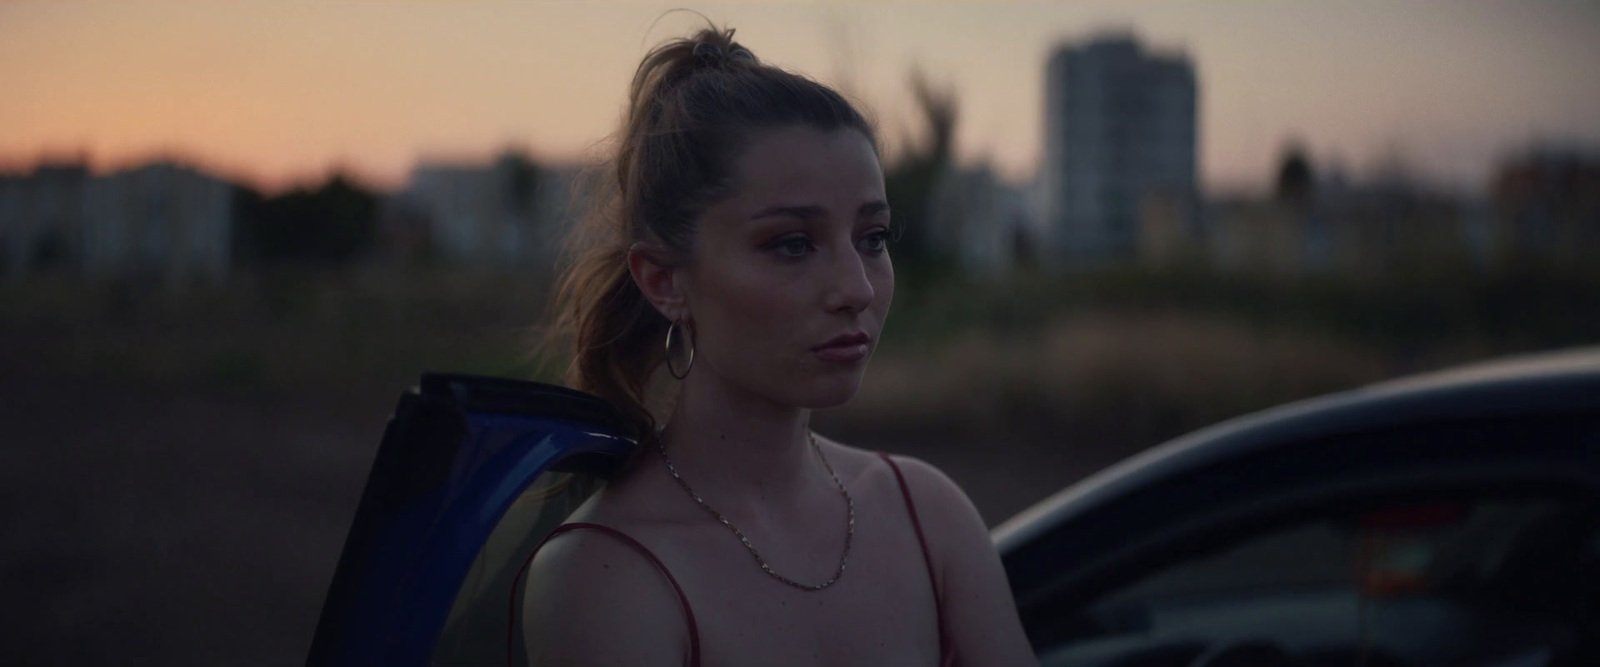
[744, 250]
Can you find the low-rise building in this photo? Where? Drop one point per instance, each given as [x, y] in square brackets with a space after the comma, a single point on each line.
[506, 212]
[1355, 232]
[979, 220]
[1546, 207]
[159, 219]
[162, 219]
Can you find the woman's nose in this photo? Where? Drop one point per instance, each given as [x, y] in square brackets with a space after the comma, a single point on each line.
[851, 289]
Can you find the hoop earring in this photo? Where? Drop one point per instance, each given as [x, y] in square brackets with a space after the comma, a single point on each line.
[687, 368]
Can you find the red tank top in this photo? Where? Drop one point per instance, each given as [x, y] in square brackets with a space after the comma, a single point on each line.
[946, 654]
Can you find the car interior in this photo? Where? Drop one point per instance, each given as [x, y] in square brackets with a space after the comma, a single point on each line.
[1466, 578]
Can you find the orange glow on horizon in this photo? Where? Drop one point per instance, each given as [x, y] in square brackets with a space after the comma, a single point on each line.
[281, 94]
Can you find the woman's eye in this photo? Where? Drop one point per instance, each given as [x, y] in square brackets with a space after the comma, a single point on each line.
[794, 246]
[875, 242]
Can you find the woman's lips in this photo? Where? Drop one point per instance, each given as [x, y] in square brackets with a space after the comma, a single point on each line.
[855, 352]
[849, 347]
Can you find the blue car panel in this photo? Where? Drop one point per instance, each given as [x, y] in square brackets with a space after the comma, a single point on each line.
[457, 454]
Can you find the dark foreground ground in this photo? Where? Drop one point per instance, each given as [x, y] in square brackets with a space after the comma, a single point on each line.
[191, 510]
[188, 526]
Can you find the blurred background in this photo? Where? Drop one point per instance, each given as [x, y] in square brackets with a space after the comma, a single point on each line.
[232, 233]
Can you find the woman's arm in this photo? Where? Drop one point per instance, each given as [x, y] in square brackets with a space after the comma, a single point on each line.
[979, 613]
[593, 601]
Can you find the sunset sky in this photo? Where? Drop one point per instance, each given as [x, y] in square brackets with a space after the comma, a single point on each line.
[281, 93]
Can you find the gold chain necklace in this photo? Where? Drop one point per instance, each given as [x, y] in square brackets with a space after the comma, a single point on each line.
[850, 526]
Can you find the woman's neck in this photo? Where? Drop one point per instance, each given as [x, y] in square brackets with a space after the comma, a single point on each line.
[741, 450]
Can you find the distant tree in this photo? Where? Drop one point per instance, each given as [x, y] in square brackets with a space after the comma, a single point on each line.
[1296, 182]
[909, 181]
[333, 224]
[51, 250]
[524, 175]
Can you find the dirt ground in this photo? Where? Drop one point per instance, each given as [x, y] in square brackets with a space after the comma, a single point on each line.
[191, 526]
[158, 526]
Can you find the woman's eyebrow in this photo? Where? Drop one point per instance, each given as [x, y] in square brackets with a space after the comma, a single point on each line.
[809, 212]
[802, 212]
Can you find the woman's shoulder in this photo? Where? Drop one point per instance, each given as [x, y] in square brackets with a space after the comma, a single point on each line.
[950, 522]
[928, 485]
[588, 585]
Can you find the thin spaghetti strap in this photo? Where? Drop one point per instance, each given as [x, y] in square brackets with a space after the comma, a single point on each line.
[946, 657]
[694, 629]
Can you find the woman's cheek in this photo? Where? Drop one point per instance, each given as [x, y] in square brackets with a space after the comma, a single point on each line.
[758, 305]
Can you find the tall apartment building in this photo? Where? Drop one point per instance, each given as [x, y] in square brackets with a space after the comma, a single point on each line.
[1120, 128]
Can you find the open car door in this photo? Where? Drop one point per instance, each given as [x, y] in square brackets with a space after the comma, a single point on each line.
[471, 474]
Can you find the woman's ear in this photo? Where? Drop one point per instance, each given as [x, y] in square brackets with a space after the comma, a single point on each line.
[658, 280]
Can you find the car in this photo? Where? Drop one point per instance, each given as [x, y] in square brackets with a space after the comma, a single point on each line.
[1446, 519]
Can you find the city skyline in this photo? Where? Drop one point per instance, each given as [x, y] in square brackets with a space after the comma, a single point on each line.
[282, 94]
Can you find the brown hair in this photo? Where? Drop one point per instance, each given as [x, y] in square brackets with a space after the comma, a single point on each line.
[694, 104]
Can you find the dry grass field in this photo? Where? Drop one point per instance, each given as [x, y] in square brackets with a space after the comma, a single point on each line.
[179, 466]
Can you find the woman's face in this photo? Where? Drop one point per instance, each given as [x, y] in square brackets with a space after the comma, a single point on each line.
[789, 279]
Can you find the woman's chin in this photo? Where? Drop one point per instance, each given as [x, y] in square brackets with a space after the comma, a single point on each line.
[829, 394]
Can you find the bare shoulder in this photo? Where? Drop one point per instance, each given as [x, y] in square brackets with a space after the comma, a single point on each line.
[976, 599]
[932, 488]
[948, 517]
[593, 598]
[928, 484]
[851, 463]
[955, 530]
